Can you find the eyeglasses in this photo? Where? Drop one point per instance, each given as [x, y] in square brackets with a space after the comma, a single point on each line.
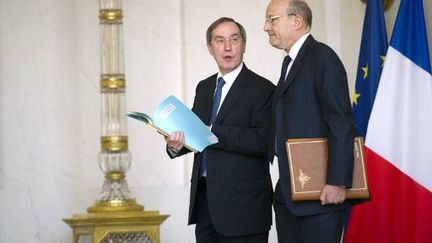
[272, 19]
[219, 41]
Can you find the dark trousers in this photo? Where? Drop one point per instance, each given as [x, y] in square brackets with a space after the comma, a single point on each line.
[323, 228]
[204, 230]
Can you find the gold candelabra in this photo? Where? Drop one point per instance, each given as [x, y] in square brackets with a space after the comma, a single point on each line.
[115, 217]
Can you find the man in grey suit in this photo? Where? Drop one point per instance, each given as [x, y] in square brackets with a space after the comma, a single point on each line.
[311, 100]
[231, 190]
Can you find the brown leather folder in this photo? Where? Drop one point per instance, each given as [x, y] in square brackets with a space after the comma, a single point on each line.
[307, 162]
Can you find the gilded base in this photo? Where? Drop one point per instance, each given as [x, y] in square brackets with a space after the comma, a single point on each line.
[115, 206]
[98, 226]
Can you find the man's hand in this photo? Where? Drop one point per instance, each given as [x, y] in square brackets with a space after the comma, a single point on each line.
[332, 194]
[175, 141]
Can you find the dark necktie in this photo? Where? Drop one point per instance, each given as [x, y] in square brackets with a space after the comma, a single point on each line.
[277, 120]
[216, 100]
[213, 113]
[284, 69]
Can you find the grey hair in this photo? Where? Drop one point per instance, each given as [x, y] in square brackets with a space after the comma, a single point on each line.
[299, 7]
[223, 20]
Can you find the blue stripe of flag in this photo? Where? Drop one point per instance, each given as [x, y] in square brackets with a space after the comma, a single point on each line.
[410, 31]
[373, 49]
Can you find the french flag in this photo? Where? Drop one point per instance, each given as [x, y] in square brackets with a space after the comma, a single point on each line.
[398, 143]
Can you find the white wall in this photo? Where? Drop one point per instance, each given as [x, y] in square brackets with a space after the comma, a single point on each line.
[50, 103]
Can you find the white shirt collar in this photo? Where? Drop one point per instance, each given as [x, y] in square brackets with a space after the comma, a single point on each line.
[297, 45]
[231, 76]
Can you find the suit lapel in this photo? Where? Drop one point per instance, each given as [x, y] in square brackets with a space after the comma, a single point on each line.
[296, 66]
[234, 94]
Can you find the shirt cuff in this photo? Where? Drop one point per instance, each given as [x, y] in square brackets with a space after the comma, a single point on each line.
[172, 152]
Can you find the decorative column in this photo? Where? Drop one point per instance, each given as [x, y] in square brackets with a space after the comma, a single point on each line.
[114, 158]
[115, 216]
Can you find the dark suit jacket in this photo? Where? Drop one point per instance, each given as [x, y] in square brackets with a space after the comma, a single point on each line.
[314, 102]
[239, 188]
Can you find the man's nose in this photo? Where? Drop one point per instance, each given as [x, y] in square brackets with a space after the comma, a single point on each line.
[266, 26]
[227, 45]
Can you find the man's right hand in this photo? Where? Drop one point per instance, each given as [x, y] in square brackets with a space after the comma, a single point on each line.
[175, 141]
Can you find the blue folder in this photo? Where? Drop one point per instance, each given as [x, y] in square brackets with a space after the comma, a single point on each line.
[172, 115]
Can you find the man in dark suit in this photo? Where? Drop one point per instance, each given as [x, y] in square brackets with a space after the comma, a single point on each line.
[231, 189]
[311, 100]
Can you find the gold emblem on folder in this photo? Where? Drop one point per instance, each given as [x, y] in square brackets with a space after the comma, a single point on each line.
[303, 178]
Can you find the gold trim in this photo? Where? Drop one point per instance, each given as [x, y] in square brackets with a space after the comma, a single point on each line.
[113, 81]
[303, 178]
[87, 220]
[99, 225]
[111, 15]
[151, 232]
[114, 143]
[386, 3]
[115, 206]
[81, 231]
[115, 176]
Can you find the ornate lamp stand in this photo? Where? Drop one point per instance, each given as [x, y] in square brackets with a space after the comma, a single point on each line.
[115, 217]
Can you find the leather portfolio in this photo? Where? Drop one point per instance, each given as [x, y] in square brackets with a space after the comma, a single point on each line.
[307, 160]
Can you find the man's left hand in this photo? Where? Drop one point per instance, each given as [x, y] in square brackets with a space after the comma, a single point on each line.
[331, 194]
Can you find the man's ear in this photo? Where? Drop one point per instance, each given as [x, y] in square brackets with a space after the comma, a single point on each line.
[298, 22]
